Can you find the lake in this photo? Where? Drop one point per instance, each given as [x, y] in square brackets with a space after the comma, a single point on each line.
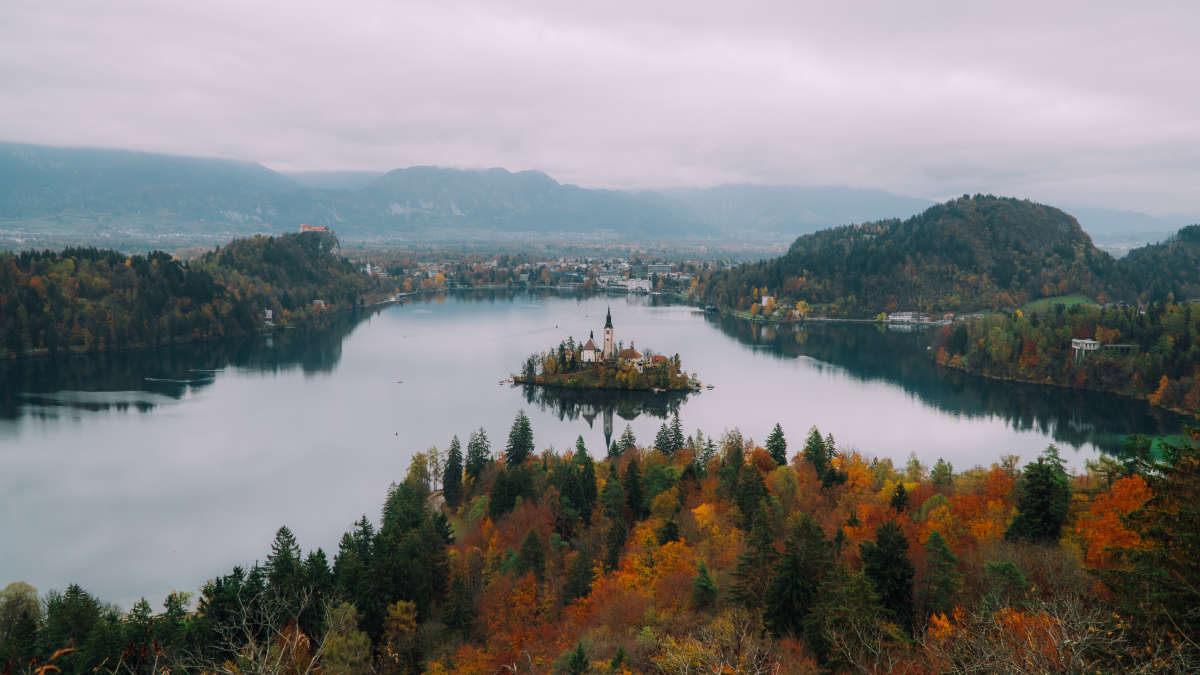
[142, 472]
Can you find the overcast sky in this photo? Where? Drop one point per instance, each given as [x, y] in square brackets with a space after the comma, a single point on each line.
[1067, 102]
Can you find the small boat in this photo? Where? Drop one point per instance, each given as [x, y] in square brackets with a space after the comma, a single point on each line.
[708, 386]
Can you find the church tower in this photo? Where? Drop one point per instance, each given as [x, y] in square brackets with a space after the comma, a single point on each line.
[610, 348]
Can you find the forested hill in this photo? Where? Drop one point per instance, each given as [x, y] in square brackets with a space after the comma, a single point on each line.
[966, 254]
[1172, 267]
[87, 299]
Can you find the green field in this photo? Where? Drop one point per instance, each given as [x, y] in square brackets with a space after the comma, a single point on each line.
[1043, 304]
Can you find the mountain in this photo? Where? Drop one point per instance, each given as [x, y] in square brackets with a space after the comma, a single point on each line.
[84, 193]
[965, 254]
[1172, 266]
[790, 210]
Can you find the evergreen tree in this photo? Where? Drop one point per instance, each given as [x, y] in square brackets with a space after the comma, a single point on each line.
[942, 578]
[886, 564]
[532, 557]
[579, 578]
[632, 483]
[614, 544]
[460, 615]
[815, 453]
[612, 497]
[284, 568]
[795, 585]
[942, 474]
[663, 441]
[777, 445]
[751, 575]
[453, 474]
[520, 441]
[618, 659]
[1043, 500]
[578, 663]
[627, 441]
[751, 491]
[899, 501]
[668, 532]
[584, 475]
[677, 439]
[479, 450]
[704, 589]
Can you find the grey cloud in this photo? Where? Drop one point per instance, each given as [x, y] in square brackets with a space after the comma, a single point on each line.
[1067, 101]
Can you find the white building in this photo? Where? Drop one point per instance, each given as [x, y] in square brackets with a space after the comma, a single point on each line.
[590, 352]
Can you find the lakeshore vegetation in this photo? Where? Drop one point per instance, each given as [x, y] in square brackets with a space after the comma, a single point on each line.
[88, 299]
[564, 366]
[692, 554]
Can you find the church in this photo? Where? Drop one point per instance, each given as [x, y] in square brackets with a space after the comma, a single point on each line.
[593, 354]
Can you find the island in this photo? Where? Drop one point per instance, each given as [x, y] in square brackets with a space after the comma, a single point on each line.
[571, 365]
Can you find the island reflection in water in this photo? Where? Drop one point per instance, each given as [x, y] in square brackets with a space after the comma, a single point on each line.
[603, 404]
[899, 357]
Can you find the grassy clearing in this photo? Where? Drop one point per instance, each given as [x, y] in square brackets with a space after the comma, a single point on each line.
[1043, 304]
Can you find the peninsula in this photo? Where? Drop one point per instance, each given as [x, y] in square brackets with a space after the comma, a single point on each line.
[573, 365]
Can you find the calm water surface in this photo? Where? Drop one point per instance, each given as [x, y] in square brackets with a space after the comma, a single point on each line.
[135, 474]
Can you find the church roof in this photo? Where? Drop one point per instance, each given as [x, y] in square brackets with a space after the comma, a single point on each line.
[590, 346]
[629, 353]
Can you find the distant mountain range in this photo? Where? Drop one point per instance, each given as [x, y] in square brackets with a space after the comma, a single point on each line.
[86, 194]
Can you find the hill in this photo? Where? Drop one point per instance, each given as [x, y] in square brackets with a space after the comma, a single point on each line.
[88, 299]
[1171, 267]
[965, 254]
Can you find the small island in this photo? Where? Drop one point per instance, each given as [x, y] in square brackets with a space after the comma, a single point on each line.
[585, 366]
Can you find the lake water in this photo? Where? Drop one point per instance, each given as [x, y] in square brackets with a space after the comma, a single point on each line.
[134, 474]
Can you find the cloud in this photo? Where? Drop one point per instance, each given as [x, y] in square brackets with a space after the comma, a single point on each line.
[1067, 101]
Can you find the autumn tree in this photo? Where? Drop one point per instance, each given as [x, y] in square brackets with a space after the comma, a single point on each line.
[1043, 500]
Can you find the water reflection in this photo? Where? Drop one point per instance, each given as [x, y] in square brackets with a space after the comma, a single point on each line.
[873, 353]
[143, 380]
[590, 404]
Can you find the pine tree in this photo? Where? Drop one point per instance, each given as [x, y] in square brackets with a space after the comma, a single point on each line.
[460, 615]
[612, 497]
[614, 544]
[777, 445]
[668, 532]
[579, 578]
[1043, 500]
[627, 441]
[578, 663]
[751, 575]
[584, 474]
[663, 441]
[677, 439]
[942, 474]
[283, 563]
[479, 450]
[704, 589]
[886, 564]
[453, 474]
[815, 453]
[751, 491]
[532, 558]
[795, 585]
[632, 484]
[520, 441]
[942, 578]
[899, 501]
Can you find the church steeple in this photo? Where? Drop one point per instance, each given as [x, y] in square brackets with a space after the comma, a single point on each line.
[609, 352]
